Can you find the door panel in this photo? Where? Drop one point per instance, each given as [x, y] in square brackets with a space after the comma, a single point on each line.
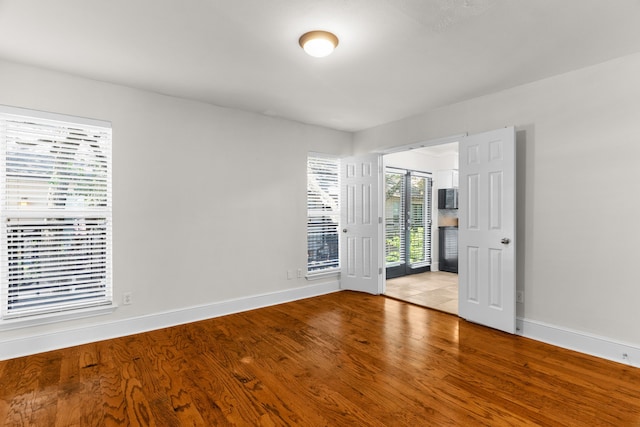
[487, 229]
[361, 256]
[471, 284]
[351, 253]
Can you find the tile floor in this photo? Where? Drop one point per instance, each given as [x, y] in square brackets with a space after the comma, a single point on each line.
[433, 289]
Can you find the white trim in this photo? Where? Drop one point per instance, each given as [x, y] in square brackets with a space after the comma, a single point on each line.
[45, 115]
[333, 273]
[423, 144]
[562, 337]
[582, 342]
[323, 155]
[60, 316]
[24, 346]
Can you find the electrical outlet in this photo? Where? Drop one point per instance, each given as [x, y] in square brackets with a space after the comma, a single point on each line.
[299, 273]
[126, 298]
[520, 297]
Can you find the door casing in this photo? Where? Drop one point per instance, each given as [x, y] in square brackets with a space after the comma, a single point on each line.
[377, 286]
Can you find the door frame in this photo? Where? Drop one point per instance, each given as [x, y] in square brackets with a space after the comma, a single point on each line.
[457, 138]
[403, 148]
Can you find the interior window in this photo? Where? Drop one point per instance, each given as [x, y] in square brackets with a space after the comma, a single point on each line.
[55, 244]
[323, 213]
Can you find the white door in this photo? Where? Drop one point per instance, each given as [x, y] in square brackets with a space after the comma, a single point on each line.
[486, 230]
[361, 259]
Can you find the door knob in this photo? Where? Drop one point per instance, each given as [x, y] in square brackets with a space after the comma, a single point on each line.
[344, 230]
[505, 241]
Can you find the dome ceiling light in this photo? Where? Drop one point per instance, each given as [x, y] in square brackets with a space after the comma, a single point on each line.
[318, 43]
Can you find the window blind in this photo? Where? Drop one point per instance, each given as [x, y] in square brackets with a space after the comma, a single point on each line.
[420, 253]
[395, 221]
[55, 213]
[323, 213]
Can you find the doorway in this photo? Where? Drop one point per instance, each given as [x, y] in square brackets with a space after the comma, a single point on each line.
[486, 242]
[428, 285]
[407, 222]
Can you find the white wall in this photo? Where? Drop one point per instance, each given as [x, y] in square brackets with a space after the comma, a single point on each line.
[578, 136]
[209, 204]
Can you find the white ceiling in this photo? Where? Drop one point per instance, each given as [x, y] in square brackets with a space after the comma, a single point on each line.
[396, 58]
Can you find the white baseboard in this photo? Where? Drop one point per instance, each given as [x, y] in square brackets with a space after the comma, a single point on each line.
[562, 337]
[582, 342]
[24, 346]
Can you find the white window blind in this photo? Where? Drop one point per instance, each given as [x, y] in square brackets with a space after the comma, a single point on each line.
[323, 213]
[55, 213]
[395, 221]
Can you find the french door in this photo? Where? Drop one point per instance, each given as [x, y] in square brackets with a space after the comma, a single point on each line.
[487, 229]
[407, 222]
[361, 256]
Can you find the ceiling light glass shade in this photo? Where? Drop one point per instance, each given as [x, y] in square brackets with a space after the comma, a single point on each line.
[318, 43]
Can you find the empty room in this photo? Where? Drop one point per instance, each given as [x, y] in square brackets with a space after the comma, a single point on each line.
[210, 212]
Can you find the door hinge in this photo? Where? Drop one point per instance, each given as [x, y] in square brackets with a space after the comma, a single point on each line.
[379, 220]
[379, 270]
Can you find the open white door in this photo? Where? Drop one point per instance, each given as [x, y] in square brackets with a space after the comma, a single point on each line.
[361, 258]
[486, 233]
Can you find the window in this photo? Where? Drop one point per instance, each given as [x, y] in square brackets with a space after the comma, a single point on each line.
[55, 213]
[407, 222]
[323, 213]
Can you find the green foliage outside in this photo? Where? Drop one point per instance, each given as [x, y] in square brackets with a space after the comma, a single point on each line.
[416, 247]
[395, 196]
[393, 248]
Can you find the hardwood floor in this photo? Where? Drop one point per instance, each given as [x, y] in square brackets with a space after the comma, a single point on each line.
[340, 359]
[433, 289]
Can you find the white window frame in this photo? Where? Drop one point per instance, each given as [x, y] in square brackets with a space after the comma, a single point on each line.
[55, 217]
[331, 208]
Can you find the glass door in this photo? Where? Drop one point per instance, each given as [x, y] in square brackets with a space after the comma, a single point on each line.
[407, 222]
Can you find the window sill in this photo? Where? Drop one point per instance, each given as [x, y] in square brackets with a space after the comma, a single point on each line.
[45, 319]
[328, 274]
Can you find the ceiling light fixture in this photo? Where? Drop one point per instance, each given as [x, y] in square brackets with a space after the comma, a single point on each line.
[318, 43]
